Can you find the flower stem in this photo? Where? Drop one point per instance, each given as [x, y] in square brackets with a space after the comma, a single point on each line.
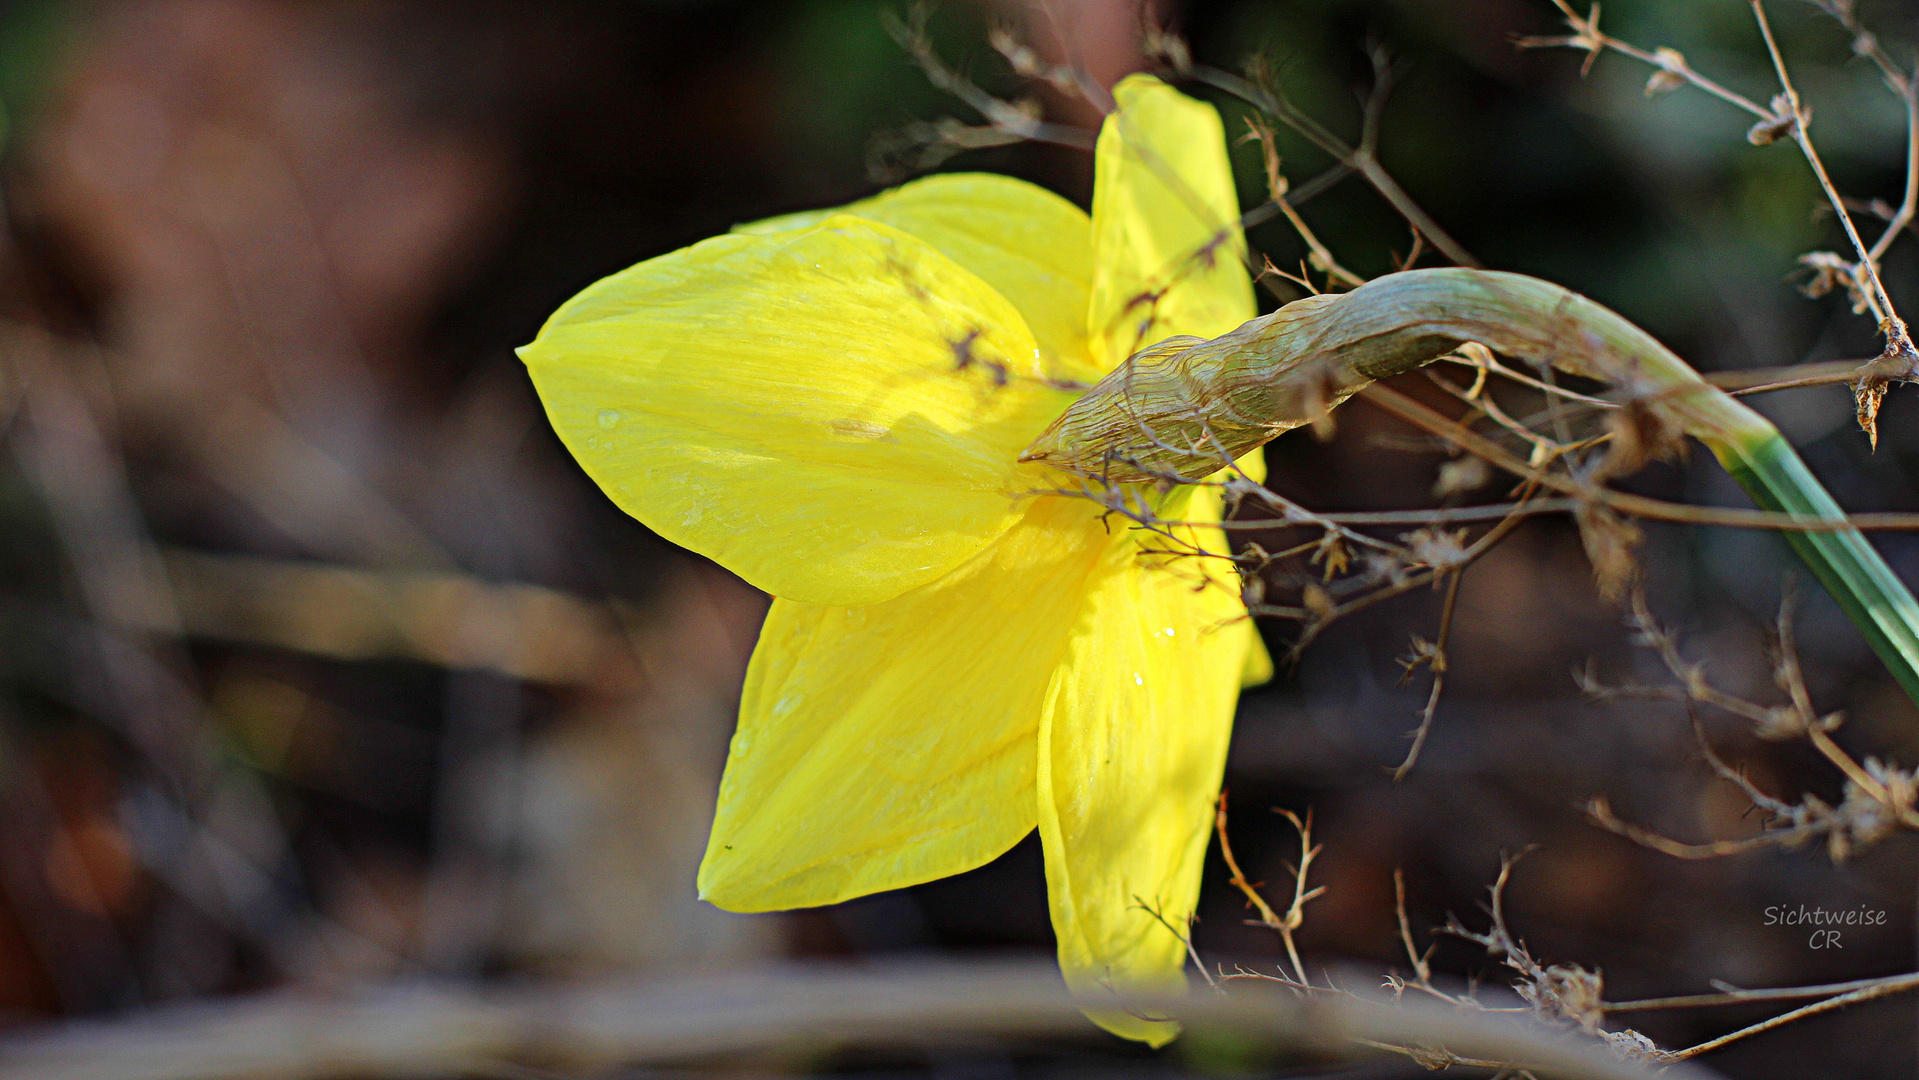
[1878, 603]
[1176, 411]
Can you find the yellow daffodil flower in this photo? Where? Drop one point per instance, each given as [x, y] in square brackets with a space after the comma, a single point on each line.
[833, 405]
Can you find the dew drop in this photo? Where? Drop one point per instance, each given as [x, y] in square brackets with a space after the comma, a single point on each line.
[1137, 680]
[609, 419]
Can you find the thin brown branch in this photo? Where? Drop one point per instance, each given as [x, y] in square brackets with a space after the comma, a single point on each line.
[1295, 917]
[1884, 988]
[1893, 327]
[1267, 915]
[1599, 811]
[1185, 939]
[1634, 505]
[1436, 660]
[1276, 192]
[1360, 160]
[1743, 997]
[1909, 97]
[1588, 38]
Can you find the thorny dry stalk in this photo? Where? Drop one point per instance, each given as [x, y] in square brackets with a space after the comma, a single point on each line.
[922, 146]
[1787, 116]
[1295, 916]
[1880, 798]
[1431, 654]
[1559, 997]
[1256, 88]
[1277, 188]
[1427, 1055]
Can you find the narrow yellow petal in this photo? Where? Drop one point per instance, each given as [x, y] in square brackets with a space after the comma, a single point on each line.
[1168, 253]
[833, 413]
[1132, 746]
[1253, 464]
[1258, 668]
[1033, 246]
[884, 746]
[1208, 506]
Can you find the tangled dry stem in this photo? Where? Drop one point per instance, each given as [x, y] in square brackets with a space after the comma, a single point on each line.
[1562, 998]
[1880, 798]
[1787, 116]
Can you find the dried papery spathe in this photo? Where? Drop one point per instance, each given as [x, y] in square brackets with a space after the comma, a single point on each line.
[1174, 412]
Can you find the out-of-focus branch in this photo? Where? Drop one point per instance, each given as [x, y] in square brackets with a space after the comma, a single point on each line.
[453, 1031]
[452, 620]
[1362, 159]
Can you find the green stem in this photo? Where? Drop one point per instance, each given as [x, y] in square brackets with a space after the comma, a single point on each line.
[1844, 562]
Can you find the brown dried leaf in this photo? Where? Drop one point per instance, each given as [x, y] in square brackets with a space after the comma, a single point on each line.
[1779, 125]
[1461, 476]
[1867, 394]
[1332, 552]
[1830, 271]
[1640, 433]
[1568, 992]
[1670, 75]
[1317, 600]
[1610, 542]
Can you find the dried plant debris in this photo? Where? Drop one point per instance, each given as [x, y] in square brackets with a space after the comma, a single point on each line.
[1564, 998]
[1786, 116]
[1880, 798]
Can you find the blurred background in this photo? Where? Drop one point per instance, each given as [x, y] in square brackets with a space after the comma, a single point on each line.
[324, 666]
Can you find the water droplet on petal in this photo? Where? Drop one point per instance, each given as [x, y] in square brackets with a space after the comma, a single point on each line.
[1137, 680]
[609, 419]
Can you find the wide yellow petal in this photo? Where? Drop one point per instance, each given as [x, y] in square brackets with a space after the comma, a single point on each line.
[1132, 747]
[1168, 253]
[887, 745]
[1033, 246]
[833, 413]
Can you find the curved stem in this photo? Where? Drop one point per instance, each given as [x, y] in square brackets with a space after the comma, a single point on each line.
[1173, 414]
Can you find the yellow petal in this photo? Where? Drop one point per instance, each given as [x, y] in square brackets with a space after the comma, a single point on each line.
[1132, 747]
[1253, 464]
[1033, 246]
[1258, 668]
[887, 745]
[1168, 254]
[832, 413]
[1208, 506]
